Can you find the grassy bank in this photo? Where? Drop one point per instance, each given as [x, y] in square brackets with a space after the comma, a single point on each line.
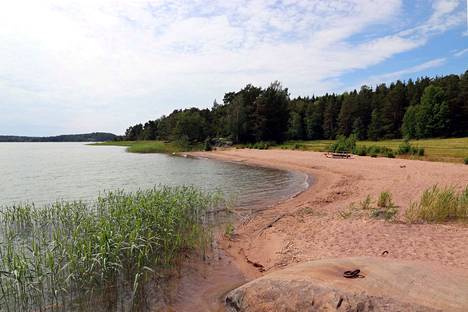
[74, 255]
[449, 150]
[152, 146]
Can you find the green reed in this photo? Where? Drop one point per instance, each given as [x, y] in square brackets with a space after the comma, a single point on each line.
[77, 255]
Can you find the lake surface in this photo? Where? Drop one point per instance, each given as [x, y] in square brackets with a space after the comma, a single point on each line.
[46, 172]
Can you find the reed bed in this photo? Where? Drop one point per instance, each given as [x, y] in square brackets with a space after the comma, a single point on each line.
[98, 256]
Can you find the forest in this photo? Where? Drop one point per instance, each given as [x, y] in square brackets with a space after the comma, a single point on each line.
[87, 137]
[424, 108]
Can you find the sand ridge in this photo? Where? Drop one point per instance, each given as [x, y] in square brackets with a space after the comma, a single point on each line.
[309, 227]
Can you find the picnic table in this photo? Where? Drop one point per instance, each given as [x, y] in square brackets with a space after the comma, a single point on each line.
[338, 155]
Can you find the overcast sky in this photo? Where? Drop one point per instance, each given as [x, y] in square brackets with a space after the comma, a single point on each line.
[75, 66]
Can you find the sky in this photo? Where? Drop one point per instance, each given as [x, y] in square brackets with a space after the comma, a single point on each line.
[77, 66]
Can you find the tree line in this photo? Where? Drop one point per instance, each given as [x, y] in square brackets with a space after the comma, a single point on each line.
[424, 108]
[86, 137]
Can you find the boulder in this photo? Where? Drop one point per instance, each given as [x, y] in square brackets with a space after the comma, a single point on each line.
[384, 285]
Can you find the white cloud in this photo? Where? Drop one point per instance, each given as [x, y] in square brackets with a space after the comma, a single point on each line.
[461, 52]
[388, 77]
[104, 64]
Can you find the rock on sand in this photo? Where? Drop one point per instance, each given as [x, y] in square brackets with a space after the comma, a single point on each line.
[387, 285]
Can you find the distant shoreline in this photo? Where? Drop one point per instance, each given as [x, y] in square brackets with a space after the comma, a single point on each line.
[84, 137]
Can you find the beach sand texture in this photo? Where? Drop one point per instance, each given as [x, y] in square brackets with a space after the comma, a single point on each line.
[309, 226]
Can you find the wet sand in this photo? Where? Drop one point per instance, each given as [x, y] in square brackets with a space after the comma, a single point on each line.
[309, 226]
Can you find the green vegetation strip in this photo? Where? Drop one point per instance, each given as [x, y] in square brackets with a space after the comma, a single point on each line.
[449, 150]
[152, 146]
[73, 255]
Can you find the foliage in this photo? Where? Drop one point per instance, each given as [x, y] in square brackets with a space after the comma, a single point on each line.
[154, 146]
[229, 230]
[439, 204]
[415, 109]
[465, 160]
[260, 145]
[366, 204]
[344, 144]
[385, 209]
[384, 200]
[73, 255]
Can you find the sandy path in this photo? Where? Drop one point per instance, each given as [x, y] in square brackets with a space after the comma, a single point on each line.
[311, 228]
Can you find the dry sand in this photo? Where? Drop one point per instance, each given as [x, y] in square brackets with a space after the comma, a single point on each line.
[310, 226]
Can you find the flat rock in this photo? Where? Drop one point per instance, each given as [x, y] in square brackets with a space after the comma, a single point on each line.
[387, 285]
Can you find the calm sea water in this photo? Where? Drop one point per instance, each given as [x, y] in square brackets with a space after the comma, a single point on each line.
[46, 172]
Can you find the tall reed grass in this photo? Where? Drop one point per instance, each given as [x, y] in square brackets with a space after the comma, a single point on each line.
[98, 256]
[439, 204]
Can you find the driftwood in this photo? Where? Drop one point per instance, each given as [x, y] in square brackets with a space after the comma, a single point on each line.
[260, 266]
[269, 225]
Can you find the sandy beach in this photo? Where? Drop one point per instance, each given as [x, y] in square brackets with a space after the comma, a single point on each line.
[309, 226]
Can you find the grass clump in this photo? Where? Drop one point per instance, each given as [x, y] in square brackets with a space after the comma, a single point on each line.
[439, 204]
[385, 200]
[75, 255]
[465, 160]
[385, 209]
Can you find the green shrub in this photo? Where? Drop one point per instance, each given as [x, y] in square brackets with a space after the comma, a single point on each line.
[404, 148]
[439, 205]
[207, 146]
[421, 151]
[390, 154]
[465, 160]
[374, 155]
[343, 144]
[374, 149]
[360, 150]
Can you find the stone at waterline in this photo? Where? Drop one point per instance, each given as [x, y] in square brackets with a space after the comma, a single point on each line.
[388, 285]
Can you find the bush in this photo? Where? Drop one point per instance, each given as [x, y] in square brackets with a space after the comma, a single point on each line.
[390, 154]
[343, 144]
[421, 151]
[439, 205]
[374, 149]
[465, 160]
[207, 146]
[404, 148]
[361, 150]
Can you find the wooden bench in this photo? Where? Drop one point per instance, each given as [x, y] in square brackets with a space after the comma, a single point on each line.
[338, 155]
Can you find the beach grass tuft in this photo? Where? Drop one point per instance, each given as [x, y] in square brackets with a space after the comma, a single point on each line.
[439, 204]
